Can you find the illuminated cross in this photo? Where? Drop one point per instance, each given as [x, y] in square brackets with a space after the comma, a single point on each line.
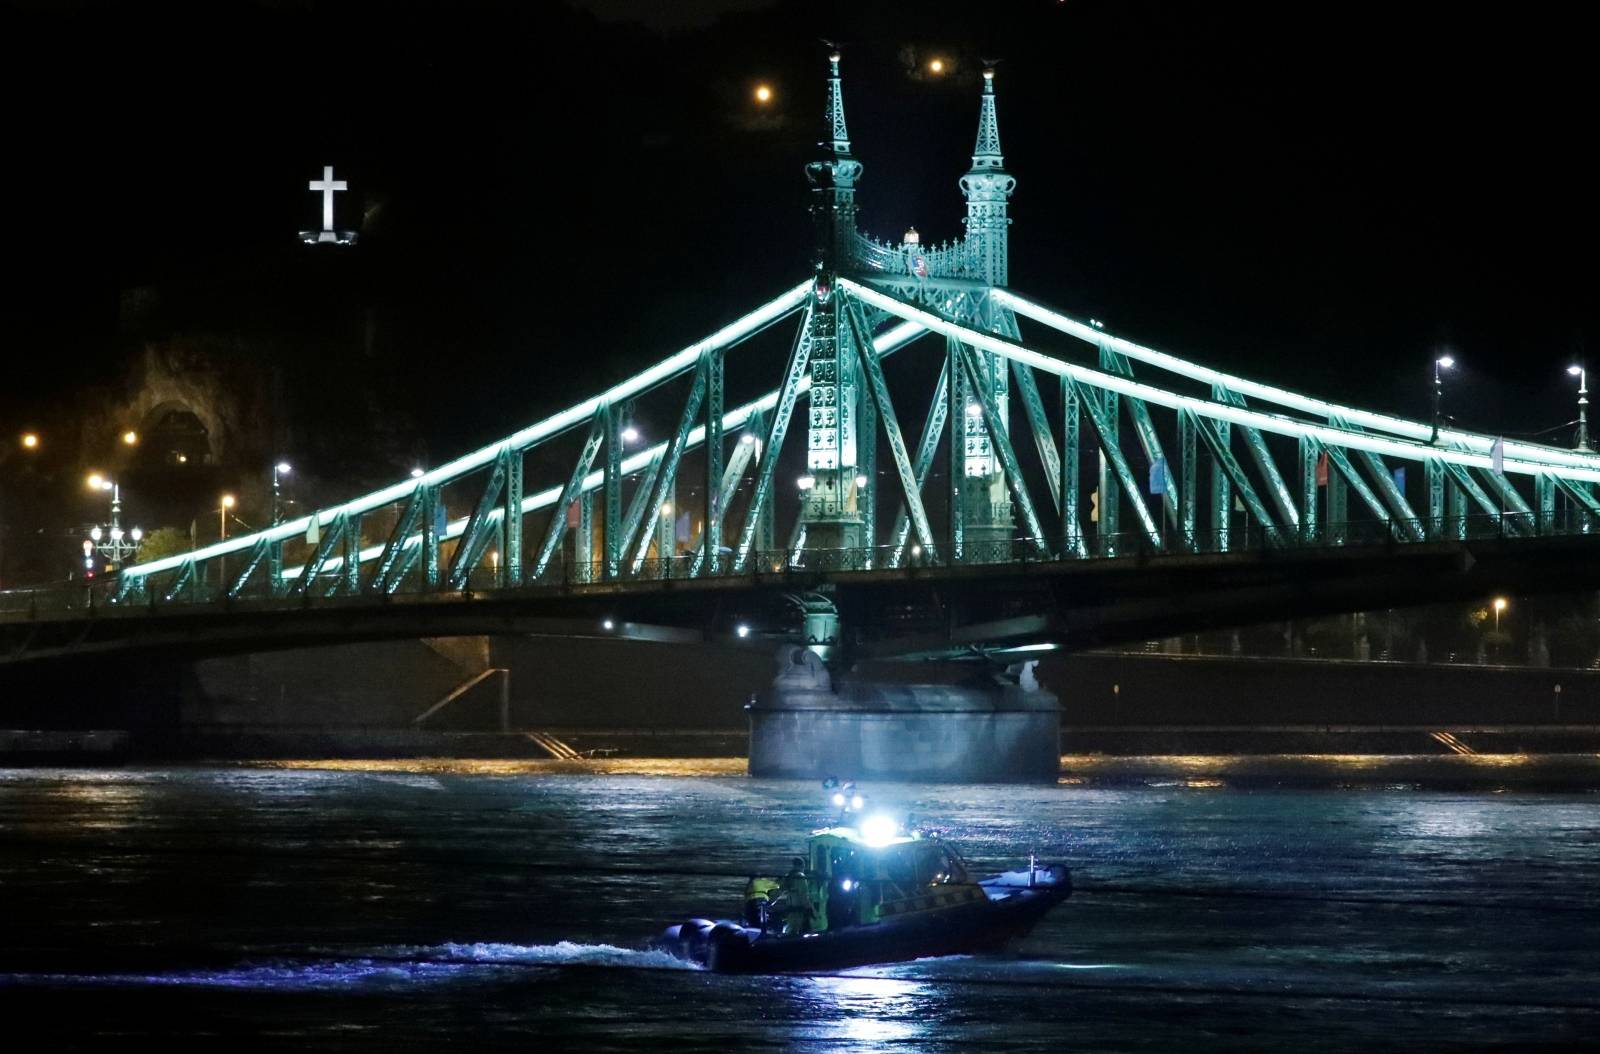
[328, 185]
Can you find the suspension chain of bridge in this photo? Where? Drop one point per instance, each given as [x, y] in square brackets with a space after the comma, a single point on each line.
[1069, 444]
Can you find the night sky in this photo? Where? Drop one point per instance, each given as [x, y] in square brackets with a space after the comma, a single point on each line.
[554, 195]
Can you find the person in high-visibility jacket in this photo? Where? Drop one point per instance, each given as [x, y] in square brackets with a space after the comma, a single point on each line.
[758, 894]
[795, 895]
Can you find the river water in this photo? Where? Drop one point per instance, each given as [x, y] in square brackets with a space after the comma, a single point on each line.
[468, 905]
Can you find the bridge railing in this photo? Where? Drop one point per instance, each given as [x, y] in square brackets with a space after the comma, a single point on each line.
[46, 602]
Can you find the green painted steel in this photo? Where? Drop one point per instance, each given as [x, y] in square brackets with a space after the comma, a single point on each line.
[788, 395]
[612, 541]
[927, 450]
[955, 412]
[1001, 443]
[558, 515]
[712, 509]
[1072, 537]
[1115, 474]
[1223, 458]
[958, 291]
[909, 486]
[474, 540]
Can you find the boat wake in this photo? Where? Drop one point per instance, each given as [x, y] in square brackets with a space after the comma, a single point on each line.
[378, 969]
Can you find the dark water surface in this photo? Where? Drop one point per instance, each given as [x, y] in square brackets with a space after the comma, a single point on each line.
[471, 906]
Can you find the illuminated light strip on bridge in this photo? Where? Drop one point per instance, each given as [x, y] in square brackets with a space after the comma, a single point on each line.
[1294, 400]
[736, 418]
[661, 372]
[1288, 426]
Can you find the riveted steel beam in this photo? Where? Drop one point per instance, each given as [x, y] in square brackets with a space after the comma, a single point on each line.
[909, 487]
[1277, 489]
[257, 554]
[1114, 468]
[667, 478]
[475, 538]
[783, 411]
[1072, 540]
[927, 450]
[557, 526]
[713, 511]
[1223, 457]
[1000, 442]
[331, 536]
[410, 514]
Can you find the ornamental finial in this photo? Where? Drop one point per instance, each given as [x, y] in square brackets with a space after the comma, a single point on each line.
[838, 134]
[986, 154]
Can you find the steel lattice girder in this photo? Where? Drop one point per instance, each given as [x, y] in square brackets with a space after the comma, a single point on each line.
[879, 390]
[569, 493]
[1001, 444]
[1276, 423]
[927, 450]
[1468, 442]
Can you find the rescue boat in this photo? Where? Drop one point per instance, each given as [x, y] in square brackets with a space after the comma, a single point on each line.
[873, 894]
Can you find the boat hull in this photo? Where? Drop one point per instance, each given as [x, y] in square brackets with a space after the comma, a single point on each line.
[1008, 913]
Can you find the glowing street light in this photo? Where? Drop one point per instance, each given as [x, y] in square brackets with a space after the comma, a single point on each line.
[936, 66]
[1499, 605]
[282, 468]
[630, 434]
[743, 631]
[1443, 362]
[130, 438]
[1580, 372]
[30, 441]
[417, 473]
[115, 544]
[763, 93]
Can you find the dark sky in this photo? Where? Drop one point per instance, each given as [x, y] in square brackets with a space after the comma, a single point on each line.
[1319, 195]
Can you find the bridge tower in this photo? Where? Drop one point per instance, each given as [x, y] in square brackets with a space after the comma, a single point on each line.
[985, 505]
[831, 515]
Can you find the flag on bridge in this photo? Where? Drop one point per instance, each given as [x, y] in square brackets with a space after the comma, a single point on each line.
[1399, 475]
[1322, 469]
[1158, 476]
[1497, 456]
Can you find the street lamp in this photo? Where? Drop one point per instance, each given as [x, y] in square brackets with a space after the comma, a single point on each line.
[130, 438]
[228, 502]
[763, 93]
[1443, 362]
[282, 468]
[110, 540]
[30, 441]
[1499, 605]
[1582, 374]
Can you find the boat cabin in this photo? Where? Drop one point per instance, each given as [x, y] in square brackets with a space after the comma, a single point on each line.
[857, 881]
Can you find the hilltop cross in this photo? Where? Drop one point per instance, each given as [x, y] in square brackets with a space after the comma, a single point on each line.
[328, 186]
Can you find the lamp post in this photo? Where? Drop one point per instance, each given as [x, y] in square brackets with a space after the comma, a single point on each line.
[110, 540]
[1443, 362]
[1582, 374]
[282, 468]
[223, 507]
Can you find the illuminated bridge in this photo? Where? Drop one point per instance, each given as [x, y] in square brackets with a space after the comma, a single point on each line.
[953, 485]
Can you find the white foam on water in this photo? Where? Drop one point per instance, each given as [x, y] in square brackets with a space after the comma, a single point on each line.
[383, 968]
[562, 953]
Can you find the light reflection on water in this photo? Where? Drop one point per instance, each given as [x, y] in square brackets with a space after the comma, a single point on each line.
[401, 899]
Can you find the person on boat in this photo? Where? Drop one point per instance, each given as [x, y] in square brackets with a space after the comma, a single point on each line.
[758, 894]
[795, 893]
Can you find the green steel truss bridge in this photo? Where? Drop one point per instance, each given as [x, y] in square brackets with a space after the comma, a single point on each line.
[962, 487]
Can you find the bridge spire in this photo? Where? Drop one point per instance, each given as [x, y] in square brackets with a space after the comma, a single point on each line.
[831, 508]
[986, 187]
[833, 183]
